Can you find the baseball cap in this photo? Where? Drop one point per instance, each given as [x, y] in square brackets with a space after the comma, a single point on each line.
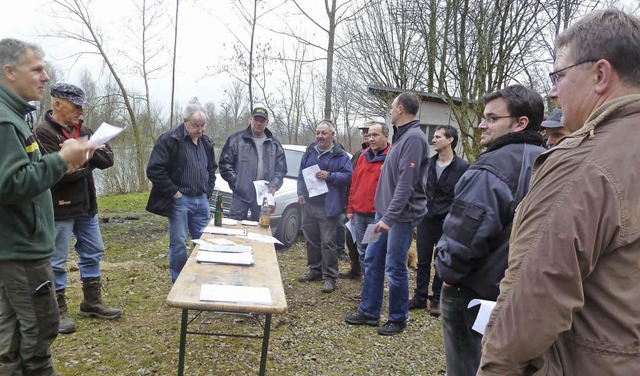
[553, 121]
[260, 112]
[69, 92]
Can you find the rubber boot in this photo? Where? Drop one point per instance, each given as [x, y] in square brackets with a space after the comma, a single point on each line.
[92, 305]
[67, 325]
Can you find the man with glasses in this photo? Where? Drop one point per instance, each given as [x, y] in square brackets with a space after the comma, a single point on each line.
[568, 304]
[249, 155]
[182, 168]
[473, 250]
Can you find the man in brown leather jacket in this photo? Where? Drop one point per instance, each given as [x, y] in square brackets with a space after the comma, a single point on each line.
[568, 303]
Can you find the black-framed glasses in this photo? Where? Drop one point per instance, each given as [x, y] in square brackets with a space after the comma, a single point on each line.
[553, 76]
[492, 119]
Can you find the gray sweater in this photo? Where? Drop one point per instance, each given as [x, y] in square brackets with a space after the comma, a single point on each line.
[401, 193]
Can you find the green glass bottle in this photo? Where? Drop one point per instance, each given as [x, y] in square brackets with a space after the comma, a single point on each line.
[217, 213]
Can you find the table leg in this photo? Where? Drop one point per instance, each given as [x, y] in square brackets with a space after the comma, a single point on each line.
[183, 341]
[265, 344]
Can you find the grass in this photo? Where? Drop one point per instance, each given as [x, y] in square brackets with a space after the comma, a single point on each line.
[311, 338]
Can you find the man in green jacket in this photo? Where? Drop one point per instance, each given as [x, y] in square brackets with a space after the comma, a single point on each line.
[28, 310]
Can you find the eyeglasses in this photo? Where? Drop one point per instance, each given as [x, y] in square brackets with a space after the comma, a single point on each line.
[555, 78]
[492, 119]
[196, 126]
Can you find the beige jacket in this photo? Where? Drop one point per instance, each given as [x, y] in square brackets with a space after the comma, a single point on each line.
[569, 303]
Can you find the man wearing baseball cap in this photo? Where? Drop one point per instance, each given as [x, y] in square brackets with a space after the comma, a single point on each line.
[75, 206]
[249, 155]
[552, 128]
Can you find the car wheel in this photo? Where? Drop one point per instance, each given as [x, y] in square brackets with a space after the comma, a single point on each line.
[289, 226]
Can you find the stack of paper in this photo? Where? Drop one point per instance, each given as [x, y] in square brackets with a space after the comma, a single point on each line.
[224, 248]
[235, 294]
[232, 258]
[225, 231]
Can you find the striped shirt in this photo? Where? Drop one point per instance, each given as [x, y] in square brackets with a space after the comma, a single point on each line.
[195, 175]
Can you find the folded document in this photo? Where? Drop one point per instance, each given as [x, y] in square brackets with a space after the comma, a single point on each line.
[235, 294]
[232, 258]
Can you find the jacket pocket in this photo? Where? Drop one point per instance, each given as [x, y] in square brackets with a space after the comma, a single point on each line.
[464, 220]
[36, 226]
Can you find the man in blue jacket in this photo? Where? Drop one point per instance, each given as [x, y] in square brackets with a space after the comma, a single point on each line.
[400, 203]
[473, 252]
[250, 155]
[320, 213]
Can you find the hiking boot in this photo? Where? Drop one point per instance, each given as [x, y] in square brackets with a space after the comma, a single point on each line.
[434, 310]
[417, 303]
[67, 325]
[92, 305]
[392, 328]
[361, 319]
[309, 276]
[349, 275]
[329, 286]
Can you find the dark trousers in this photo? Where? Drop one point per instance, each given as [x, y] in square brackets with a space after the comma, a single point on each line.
[429, 232]
[320, 233]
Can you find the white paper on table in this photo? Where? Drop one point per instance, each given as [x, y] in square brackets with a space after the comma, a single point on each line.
[229, 222]
[235, 294]
[370, 236]
[235, 248]
[486, 306]
[225, 231]
[219, 241]
[315, 187]
[352, 229]
[104, 134]
[238, 258]
[250, 223]
[262, 238]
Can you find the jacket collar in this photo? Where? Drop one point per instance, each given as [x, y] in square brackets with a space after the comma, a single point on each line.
[401, 130]
[14, 101]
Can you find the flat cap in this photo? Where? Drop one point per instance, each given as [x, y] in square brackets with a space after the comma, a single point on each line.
[69, 92]
[553, 121]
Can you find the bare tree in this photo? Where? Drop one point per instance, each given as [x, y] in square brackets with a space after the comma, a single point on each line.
[173, 64]
[86, 33]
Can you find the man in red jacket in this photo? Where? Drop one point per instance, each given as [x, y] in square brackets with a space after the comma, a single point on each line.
[364, 182]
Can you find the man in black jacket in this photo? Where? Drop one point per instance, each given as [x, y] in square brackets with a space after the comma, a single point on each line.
[250, 155]
[473, 251]
[75, 206]
[445, 168]
[182, 168]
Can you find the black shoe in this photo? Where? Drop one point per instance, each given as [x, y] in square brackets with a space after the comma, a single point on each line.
[360, 319]
[417, 303]
[392, 328]
[349, 275]
[434, 310]
[328, 286]
[309, 276]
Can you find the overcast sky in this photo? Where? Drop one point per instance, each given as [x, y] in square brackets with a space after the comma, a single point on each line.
[204, 42]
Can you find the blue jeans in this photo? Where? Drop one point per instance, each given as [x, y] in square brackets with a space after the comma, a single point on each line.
[28, 317]
[89, 247]
[388, 256]
[361, 222]
[190, 213]
[462, 345]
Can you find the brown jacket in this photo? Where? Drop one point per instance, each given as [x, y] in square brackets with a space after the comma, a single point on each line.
[570, 300]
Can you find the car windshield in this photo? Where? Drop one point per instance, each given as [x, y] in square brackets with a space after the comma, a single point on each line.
[293, 162]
